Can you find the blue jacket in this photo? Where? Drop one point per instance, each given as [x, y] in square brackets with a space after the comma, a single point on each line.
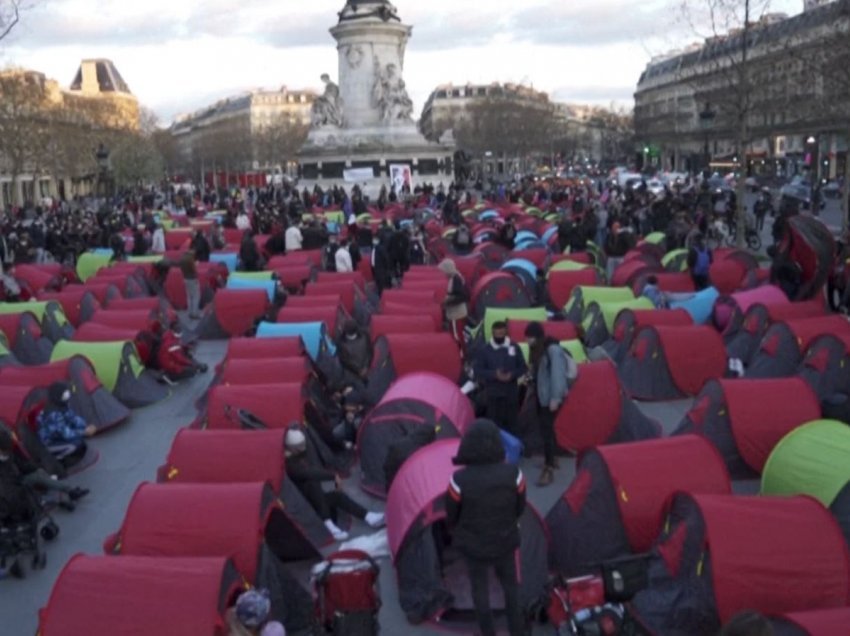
[61, 427]
[551, 375]
[493, 358]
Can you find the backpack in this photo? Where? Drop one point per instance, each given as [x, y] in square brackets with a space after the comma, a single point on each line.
[569, 363]
[703, 263]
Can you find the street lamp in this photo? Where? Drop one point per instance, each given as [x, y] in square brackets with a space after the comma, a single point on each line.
[706, 119]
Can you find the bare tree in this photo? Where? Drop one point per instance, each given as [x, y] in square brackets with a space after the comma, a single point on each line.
[507, 127]
[136, 161]
[726, 78]
[278, 142]
[10, 15]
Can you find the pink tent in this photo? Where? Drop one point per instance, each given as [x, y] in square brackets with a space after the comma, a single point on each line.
[729, 310]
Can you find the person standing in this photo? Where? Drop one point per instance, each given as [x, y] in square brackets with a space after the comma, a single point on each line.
[455, 304]
[293, 238]
[699, 262]
[189, 268]
[342, 258]
[551, 369]
[484, 503]
[498, 367]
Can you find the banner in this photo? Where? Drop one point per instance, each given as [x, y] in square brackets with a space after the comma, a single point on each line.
[401, 175]
[355, 175]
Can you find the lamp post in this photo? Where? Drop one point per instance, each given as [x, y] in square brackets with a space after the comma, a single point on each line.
[706, 119]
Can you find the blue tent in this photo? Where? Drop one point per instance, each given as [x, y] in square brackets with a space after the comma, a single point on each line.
[229, 259]
[313, 334]
[488, 214]
[528, 245]
[102, 251]
[521, 265]
[242, 283]
[700, 305]
[548, 234]
[524, 236]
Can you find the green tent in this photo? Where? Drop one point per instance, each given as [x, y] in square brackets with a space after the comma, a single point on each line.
[89, 262]
[670, 257]
[552, 217]
[610, 311]
[567, 266]
[106, 358]
[810, 460]
[573, 347]
[335, 216]
[656, 238]
[496, 314]
[37, 308]
[364, 219]
[252, 275]
[597, 294]
[154, 258]
[167, 224]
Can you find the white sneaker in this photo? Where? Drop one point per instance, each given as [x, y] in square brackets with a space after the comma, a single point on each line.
[375, 519]
[338, 535]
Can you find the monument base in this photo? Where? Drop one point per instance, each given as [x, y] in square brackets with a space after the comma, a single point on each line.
[345, 157]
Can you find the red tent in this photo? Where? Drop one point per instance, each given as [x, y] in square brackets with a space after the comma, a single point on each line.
[431, 310]
[25, 337]
[38, 278]
[276, 405]
[783, 345]
[471, 267]
[630, 270]
[89, 398]
[222, 457]
[127, 284]
[615, 504]
[331, 315]
[297, 258]
[666, 362]
[498, 289]
[562, 283]
[733, 270]
[345, 290]
[140, 319]
[294, 277]
[252, 348]
[93, 332]
[342, 277]
[302, 302]
[202, 520]
[153, 303]
[21, 404]
[103, 292]
[78, 302]
[383, 324]
[670, 282]
[130, 596]
[232, 313]
[768, 554]
[402, 296]
[745, 419]
[178, 239]
[264, 371]
[536, 255]
[597, 411]
[433, 352]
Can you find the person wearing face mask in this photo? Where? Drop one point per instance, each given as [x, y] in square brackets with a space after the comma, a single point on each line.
[354, 352]
[61, 430]
[498, 367]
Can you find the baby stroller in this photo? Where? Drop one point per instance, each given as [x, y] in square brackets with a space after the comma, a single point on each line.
[24, 521]
[347, 595]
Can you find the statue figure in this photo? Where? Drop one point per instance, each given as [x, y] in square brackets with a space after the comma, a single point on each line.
[327, 109]
[390, 94]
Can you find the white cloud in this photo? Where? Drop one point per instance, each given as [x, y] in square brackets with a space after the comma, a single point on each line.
[178, 55]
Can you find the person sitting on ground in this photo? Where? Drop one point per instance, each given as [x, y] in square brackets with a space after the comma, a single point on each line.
[175, 360]
[304, 468]
[354, 406]
[61, 430]
[250, 616]
[654, 293]
[354, 352]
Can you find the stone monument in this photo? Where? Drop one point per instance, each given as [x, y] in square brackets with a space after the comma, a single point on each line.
[366, 122]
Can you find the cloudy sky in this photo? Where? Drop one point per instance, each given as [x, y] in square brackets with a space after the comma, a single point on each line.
[179, 55]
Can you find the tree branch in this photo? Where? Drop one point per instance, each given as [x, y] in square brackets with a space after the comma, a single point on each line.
[7, 25]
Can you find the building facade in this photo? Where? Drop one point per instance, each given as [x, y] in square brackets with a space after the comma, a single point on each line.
[785, 112]
[230, 134]
[49, 132]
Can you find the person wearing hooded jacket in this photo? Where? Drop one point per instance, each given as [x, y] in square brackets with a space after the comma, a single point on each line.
[60, 429]
[498, 366]
[551, 369]
[484, 502]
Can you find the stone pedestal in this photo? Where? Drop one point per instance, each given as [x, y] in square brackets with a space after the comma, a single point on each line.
[371, 42]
